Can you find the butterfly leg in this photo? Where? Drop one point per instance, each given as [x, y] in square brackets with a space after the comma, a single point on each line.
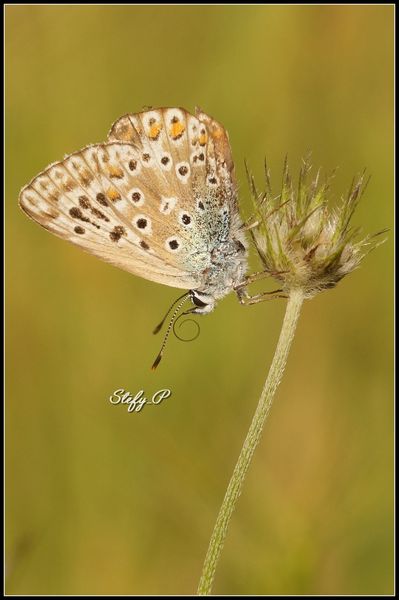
[252, 278]
[245, 299]
[256, 277]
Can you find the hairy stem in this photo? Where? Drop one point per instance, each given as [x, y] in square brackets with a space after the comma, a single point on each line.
[251, 441]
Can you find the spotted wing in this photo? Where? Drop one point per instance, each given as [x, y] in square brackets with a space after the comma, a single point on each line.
[154, 200]
[192, 159]
[91, 199]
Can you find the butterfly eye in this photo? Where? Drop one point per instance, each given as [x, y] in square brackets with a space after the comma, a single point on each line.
[197, 301]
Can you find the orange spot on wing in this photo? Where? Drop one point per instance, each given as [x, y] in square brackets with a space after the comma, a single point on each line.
[203, 139]
[218, 133]
[127, 135]
[155, 130]
[123, 131]
[115, 172]
[177, 129]
[113, 194]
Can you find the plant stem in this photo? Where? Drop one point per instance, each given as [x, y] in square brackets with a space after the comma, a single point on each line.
[251, 441]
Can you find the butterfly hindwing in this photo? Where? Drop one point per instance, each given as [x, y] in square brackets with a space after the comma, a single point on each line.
[194, 159]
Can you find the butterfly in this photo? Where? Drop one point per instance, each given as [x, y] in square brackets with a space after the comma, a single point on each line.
[157, 199]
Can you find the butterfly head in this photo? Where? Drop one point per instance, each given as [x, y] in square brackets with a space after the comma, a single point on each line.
[203, 303]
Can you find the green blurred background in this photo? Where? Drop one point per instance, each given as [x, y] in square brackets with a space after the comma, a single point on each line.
[100, 501]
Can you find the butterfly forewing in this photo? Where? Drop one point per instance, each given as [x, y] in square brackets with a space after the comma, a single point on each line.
[77, 199]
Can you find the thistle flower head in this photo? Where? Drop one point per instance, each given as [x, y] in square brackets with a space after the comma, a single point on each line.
[301, 241]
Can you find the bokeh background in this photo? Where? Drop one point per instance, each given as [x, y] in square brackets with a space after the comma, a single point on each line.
[100, 501]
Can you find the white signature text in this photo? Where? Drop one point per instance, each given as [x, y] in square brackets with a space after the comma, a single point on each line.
[136, 403]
